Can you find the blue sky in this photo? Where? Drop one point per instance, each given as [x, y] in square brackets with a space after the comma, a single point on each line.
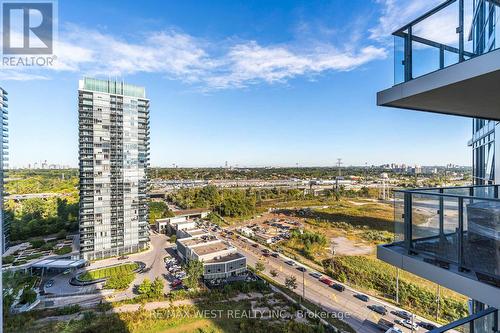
[254, 83]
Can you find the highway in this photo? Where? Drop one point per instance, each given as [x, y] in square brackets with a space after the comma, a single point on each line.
[360, 317]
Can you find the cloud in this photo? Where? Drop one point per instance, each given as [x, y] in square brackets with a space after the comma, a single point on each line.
[208, 64]
[397, 13]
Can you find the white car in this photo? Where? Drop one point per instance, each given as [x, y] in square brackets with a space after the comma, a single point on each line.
[408, 324]
[394, 330]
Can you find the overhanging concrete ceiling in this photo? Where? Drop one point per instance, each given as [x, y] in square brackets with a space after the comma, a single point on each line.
[470, 89]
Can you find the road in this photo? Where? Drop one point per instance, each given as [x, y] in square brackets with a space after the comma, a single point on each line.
[155, 267]
[360, 317]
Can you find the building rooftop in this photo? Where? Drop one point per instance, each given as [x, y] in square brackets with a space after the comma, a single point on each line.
[197, 232]
[212, 248]
[229, 257]
[195, 240]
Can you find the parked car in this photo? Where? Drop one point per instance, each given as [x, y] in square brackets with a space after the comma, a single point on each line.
[394, 330]
[327, 281]
[290, 262]
[338, 287]
[49, 284]
[175, 283]
[122, 257]
[427, 326]
[265, 251]
[302, 269]
[408, 324]
[255, 245]
[316, 275]
[402, 314]
[275, 254]
[362, 297]
[378, 309]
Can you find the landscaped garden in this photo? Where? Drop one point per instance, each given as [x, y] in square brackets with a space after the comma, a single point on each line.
[108, 272]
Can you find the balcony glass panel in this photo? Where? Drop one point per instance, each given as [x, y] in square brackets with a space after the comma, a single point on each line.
[399, 230]
[458, 225]
[455, 31]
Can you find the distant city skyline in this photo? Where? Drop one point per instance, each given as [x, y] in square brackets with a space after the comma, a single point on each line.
[298, 85]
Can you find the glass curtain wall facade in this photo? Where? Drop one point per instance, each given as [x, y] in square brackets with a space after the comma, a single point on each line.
[114, 157]
[4, 166]
[484, 33]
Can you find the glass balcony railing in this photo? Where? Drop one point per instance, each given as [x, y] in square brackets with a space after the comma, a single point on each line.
[455, 31]
[455, 225]
[485, 321]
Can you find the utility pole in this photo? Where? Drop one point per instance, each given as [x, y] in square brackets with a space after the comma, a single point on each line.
[339, 164]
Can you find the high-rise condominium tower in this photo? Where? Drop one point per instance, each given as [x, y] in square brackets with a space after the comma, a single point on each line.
[114, 157]
[4, 227]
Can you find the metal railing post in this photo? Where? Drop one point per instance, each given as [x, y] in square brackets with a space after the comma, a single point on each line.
[460, 30]
[408, 221]
[460, 254]
[441, 57]
[441, 214]
[408, 55]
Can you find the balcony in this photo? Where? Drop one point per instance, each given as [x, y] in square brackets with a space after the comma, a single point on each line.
[448, 61]
[484, 321]
[450, 236]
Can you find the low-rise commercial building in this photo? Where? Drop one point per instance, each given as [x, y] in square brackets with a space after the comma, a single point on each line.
[183, 219]
[220, 259]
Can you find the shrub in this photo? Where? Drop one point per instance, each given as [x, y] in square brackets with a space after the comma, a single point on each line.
[63, 250]
[37, 243]
[28, 296]
[119, 282]
[8, 259]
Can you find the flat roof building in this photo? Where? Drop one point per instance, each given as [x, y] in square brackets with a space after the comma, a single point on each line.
[220, 258]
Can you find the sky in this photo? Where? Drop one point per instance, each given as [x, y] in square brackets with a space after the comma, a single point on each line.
[253, 83]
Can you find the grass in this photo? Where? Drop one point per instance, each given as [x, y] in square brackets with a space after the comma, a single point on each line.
[107, 272]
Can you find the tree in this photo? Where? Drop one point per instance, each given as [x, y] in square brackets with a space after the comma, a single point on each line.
[291, 282]
[28, 296]
[157, 288]
[145, 287]
[274, 273]
[194, 271]
[260, 267]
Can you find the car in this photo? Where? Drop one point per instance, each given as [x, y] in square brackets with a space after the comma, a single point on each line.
[408, 324]
[290, 262]
[255, 245]
[394, 330]
[175, 283]
[265, 251]
[378, 309]
[49, 284]
[403, 314]
[302, 269]
[275, 254]
[122, 257]
[327, 281]
[427, 326]
[362, 297]
[266, 254]
[66, 272]
[338, 287]
[316, 275]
